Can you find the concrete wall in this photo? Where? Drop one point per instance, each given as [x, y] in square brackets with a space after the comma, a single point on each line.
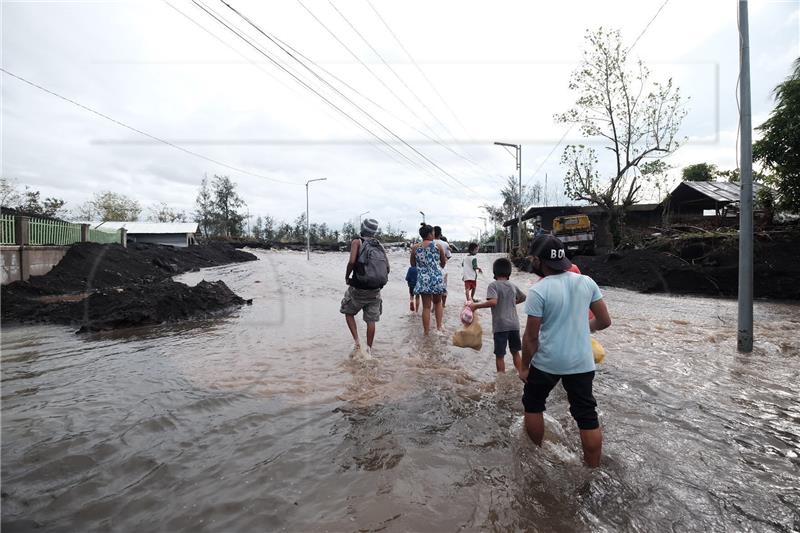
[21, 262]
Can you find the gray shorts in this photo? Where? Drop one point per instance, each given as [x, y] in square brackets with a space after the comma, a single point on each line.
[367, 299]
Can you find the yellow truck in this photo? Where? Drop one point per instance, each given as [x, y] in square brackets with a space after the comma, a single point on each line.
[576, 232]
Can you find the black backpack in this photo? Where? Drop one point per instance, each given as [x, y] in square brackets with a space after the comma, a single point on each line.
[372, 266]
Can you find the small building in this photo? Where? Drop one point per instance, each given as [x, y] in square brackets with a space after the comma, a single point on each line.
[180, 234]
[695, 199]
[636, 215]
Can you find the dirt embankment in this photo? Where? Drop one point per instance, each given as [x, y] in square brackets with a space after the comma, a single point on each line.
[99, 287]
[701, 265]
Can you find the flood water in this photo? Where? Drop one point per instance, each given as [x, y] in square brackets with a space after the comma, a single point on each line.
[262, 420]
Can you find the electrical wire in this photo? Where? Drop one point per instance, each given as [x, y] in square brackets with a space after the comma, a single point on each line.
[416, 65]
[141, 132]
[302, 82]
[370, 100]
[648, 25]
[384, 127]
[372, 72]
[259, 67]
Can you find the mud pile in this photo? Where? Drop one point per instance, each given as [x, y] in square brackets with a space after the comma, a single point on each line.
[701, 265]
[99, 287]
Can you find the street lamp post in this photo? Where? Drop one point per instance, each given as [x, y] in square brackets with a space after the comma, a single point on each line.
[359, 218]
[518, 155]
[308, 225]
[423, 216]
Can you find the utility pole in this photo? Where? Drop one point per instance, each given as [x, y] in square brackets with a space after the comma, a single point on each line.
[518, 156]
[744, 340]
[308, 224]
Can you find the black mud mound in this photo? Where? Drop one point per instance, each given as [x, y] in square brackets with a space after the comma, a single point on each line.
[702, 265]
[96, 266]
[99, 287]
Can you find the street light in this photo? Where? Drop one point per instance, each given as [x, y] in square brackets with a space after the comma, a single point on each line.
[308, 226]
[423, 216]
[518, 152]
[359, 218]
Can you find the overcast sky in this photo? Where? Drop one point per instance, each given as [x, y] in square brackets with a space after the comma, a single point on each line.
[493, 71]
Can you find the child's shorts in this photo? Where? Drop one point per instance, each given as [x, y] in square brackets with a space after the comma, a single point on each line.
[579, 393]
[503, 338]
[470, 284]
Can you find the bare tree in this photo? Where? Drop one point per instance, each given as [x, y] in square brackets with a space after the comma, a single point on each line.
[637, 119]
[161, 212]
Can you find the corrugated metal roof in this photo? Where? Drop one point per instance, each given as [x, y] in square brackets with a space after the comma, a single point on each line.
[719, 191]
[146, 227]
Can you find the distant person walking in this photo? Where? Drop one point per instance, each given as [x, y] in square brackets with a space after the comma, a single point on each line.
[429, 258]
[442, 241]
[367, 272]
[556, 345]
[470, 268]
[414, 299]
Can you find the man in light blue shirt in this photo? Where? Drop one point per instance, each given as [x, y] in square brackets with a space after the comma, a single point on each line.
[556, 345]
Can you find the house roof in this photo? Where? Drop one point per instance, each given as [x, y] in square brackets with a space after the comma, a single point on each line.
[718, 191]
[140, 228]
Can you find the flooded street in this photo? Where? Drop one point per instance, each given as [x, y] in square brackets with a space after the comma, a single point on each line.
[262, 420]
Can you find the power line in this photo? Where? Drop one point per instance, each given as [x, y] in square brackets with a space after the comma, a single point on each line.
[372, 72]
[302, 82]
[430, 84]
[254, 63]
[552, 151]
[416, 65]
[392, 70]
[163, 141]
[571, 125]
[648, 25]
[368, 99]
[389, 131]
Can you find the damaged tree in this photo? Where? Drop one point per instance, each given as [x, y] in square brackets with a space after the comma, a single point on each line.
[637, 120]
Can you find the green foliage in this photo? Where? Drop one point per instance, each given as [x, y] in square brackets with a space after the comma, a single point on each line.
[161, 212]
[29, 201]
[110, 206]
[218, 208]
[700, 172]
[779, 147]
[513, 200]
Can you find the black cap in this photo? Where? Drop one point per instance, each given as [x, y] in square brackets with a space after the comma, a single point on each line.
[551, 251]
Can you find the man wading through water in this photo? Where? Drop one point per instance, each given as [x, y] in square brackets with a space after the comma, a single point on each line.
[369, 268]
[557, 346]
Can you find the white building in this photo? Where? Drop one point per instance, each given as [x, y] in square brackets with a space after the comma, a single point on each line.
[179, 234]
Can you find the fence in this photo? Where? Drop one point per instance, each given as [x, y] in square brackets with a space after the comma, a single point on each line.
[43, 232]
[51, 232]
[7, 229]
[103, 237]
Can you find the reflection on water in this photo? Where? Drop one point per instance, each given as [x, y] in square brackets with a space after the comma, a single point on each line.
[262, 421]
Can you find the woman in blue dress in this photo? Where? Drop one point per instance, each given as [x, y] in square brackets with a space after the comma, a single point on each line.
[429, 258]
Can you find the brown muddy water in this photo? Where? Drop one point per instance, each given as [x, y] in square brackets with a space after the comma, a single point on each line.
[261, 420]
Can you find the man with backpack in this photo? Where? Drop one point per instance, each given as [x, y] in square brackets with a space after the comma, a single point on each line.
[367, 273]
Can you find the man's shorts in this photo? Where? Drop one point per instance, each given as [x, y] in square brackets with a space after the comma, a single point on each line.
[367, 299]
[470, 284]
[579, 393]
[503, 338]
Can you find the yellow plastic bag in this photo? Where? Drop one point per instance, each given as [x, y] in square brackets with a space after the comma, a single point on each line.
[470, 336]
[598, 351]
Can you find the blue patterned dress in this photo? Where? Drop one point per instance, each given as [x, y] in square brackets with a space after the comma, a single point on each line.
[430, 279]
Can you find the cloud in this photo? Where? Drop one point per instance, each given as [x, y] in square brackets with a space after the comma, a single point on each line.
[502, 69]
